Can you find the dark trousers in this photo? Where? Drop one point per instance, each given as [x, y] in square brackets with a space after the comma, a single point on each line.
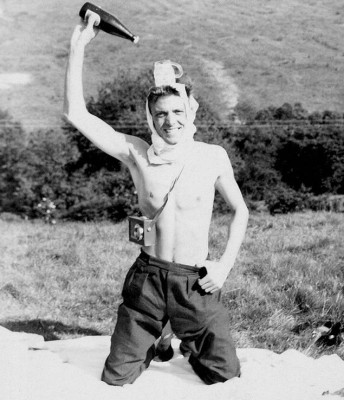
[154, 292]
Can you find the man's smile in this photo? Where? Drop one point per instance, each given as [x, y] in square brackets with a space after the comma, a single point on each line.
[173, 130]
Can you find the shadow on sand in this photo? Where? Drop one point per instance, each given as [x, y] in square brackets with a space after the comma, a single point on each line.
[50, 330]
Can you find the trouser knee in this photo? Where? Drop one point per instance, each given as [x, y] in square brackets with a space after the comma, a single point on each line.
[215, 374]
[123, 373]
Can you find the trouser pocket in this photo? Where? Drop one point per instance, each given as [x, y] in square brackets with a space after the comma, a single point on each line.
[134, 283]
[193, 287]
[143, 290]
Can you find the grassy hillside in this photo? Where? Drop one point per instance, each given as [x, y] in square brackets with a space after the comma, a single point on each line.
[257, 51]
[65, 280]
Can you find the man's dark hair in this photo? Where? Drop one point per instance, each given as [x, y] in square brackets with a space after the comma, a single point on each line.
[158, 91]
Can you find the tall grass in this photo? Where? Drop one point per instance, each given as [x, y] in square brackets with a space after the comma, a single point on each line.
[65, 280]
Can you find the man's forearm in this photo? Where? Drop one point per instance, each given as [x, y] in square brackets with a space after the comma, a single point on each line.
[217, 271]
[74, 102]
[237, 229]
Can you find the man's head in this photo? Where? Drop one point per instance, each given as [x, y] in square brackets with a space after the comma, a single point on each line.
[171, 111]
[168, 111]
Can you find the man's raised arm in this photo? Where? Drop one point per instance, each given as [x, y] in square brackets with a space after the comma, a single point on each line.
[75, 112]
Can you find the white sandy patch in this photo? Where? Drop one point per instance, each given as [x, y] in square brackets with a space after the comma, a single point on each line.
[8, 80]
[71, 369]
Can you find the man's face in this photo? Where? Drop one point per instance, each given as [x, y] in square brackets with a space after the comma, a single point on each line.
[169, 118]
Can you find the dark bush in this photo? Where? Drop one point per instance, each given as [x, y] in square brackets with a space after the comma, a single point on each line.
[326, 202]
[283, 200]
[12, 149]
[257, 148]
[41, 171]
[313, 158]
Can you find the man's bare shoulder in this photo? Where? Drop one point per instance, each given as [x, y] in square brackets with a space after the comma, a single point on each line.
[210, 150]
[208, 146]
[214, 156]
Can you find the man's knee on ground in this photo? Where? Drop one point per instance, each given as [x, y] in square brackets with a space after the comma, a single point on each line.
[212, 376]
[120, 374]
[113, 379]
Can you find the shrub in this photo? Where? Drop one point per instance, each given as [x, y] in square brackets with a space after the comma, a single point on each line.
[287, 147]
[47, 209]
[12, 150]
[106, 195]
[312, 157]
[326, 202]
[43, 172]
[284, 200]
[257, 148]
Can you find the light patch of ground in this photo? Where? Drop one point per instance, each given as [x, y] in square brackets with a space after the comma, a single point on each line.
[229, 92]
[8, 80]
[71, 369]
[215, 78]
[3, 16]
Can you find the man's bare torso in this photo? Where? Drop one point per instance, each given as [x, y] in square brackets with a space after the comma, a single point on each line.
[183, 226]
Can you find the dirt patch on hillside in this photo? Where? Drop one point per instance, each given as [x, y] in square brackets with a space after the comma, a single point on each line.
[7, 81]
[229, 92]
[222, 83]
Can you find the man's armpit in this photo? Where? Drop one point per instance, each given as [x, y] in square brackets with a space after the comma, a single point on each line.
[224, 163]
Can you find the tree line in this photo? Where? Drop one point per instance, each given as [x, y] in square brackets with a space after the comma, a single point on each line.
[284, 157]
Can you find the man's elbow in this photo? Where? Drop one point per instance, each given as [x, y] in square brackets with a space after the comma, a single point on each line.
[242, 212]
[245, 210]
[66, 117]
[71, 118]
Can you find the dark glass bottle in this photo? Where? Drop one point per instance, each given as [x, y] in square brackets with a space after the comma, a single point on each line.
[108, 23]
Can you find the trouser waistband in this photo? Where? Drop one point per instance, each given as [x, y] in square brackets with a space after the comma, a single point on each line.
[178, 268]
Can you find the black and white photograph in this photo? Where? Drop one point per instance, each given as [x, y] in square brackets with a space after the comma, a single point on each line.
[172, 200]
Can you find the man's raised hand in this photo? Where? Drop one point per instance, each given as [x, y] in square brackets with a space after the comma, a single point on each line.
[85, 31]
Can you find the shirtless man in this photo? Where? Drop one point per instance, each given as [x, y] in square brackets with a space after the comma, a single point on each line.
[164, 283]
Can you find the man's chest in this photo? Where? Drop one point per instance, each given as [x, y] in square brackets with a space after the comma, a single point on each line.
[188, 186]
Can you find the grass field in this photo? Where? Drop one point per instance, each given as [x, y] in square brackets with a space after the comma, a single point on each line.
[260, 52]
[64, 280]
